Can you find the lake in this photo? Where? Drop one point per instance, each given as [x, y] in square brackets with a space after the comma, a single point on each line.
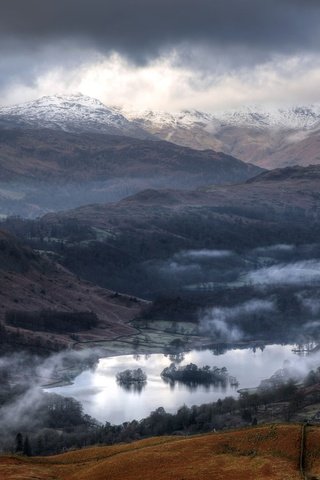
[105, 400]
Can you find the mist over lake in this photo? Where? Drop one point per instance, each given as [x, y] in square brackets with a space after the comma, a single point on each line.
[105, 400]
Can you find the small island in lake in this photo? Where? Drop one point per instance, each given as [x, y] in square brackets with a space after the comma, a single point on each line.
[132, 379]
[192, 374]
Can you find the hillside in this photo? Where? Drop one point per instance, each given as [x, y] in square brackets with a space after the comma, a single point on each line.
[60, 156]
[271, 138]
[266, 452]
[289, 175]
[70, 113]
[43, 170]
[298, 189]
[31, 284]
[129, 237]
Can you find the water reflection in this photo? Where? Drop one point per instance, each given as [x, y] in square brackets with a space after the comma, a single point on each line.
[104, 399]
[176, 357]
[133, 387]
[194, 386]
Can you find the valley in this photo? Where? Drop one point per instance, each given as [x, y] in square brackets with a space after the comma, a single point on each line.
[159, 240]
[153, 256]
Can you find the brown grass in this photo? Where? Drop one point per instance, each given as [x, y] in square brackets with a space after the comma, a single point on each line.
[264, 453]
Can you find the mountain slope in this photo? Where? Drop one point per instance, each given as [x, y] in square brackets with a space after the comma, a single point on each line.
[133, 237]
[267, 452]
[52, 155]
[43, 170]
[70, 113]
[274, 191]
[31, 284]
[269, 138]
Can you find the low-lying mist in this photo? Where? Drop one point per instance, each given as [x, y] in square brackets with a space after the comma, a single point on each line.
[297, 273]
[223, 322]
[24, 405]
[268, 293]
[272, 265]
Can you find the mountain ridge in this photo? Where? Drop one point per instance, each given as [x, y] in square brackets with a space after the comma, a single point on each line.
[70, 113]
[43, 169]
[270, 137]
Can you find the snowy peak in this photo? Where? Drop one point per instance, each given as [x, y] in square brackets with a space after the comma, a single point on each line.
[80, 113]
[299, 117]
[182, 119]
[253, 134]
[55, 104]
[268, 137]
[64, 101]
[71, 113]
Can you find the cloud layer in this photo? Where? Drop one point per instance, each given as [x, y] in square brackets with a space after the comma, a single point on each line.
[141, 28]
[205, 54]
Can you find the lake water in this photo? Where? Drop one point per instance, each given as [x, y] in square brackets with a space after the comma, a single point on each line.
[105, 400]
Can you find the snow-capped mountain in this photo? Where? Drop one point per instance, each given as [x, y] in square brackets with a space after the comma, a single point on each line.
[301, 117]
[79, 112]
[71, 113]
[267, 137]
[273, 137]
[187, 118]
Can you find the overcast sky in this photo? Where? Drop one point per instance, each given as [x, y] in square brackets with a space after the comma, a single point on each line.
[163, 54]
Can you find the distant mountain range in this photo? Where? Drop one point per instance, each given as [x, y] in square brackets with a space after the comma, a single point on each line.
[267, 137]
[44, 169]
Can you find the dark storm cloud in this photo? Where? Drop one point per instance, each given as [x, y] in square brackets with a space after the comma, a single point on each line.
[142, 28]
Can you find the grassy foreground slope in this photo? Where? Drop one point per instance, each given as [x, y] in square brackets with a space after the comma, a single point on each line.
[266, 452]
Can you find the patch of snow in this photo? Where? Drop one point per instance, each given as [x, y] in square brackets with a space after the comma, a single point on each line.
[78, 112]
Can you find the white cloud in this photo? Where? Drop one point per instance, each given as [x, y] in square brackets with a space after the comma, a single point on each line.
[167, 84]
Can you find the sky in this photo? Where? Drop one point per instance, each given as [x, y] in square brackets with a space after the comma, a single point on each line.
[162, 54]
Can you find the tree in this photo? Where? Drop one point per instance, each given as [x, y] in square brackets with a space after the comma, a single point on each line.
[26, 447]
[246, 416]
[19, 443]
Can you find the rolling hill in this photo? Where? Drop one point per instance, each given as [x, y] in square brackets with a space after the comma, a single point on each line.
[266, 452]
[274, 193]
